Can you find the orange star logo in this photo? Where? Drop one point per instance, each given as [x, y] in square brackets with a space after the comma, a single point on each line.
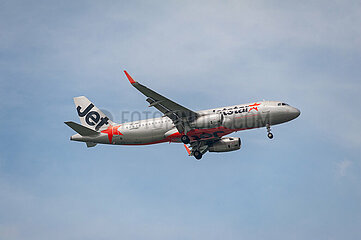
[254, 106]
[112, 130]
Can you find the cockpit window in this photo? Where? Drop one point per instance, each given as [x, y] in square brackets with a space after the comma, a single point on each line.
[282, 104]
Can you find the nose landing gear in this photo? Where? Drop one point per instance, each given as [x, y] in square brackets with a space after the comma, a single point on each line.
[269, 135]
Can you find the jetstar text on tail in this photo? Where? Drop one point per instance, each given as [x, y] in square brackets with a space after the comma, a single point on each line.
[92, 117]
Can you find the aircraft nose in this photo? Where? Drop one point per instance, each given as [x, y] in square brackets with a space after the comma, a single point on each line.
[294, 112]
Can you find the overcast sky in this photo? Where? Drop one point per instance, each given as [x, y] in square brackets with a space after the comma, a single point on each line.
[303, 184]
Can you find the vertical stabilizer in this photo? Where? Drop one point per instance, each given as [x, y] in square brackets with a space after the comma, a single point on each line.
[90, 116]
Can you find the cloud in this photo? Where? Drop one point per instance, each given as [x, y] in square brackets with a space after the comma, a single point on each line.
[343, 166]
[8, 231]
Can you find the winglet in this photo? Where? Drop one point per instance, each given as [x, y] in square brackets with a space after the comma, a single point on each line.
[131, 80]
[189, 151]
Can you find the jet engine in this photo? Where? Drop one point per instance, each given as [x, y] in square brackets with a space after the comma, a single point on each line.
[226, 144]
[213, 120]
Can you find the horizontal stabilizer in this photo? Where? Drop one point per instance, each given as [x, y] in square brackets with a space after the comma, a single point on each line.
[84, 131]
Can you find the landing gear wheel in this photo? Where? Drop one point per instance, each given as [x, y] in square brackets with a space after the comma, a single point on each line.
[197, 154]
[270, 135]
[185, 139]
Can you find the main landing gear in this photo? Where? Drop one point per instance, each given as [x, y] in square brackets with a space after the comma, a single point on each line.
[197, 154]
[185, 139]
[269, 134]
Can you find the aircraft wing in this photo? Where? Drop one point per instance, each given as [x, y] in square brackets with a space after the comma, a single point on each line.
[180, 115]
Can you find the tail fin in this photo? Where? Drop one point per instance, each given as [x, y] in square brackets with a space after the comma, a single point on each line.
[90, 116]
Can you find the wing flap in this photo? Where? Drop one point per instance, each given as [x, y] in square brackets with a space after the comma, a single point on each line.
[162, 103]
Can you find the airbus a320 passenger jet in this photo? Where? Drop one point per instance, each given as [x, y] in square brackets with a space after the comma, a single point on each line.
[202, 130]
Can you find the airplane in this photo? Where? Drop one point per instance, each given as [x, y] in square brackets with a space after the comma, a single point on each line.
[200, 131]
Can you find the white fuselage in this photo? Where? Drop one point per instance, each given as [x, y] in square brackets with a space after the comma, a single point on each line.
[157, 130]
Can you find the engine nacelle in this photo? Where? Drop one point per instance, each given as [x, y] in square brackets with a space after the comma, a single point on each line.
[213, 120]
[226, 144]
